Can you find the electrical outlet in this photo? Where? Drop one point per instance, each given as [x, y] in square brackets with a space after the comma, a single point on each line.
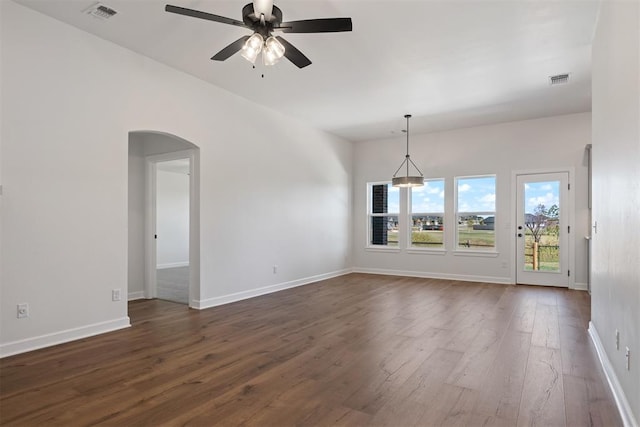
[115, 295]
[617, 340]
[275, 269]
[23, 311]
[627, 354]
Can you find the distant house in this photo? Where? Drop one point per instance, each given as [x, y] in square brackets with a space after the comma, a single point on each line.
[487, 224]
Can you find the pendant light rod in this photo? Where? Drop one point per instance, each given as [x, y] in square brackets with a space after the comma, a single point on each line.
[408, 181]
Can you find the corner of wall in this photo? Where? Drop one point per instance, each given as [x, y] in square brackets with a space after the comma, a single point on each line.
[616, 388]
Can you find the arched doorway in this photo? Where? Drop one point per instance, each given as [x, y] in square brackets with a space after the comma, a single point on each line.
[152, 155]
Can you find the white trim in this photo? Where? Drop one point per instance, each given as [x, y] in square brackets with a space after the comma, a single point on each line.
[487, 254]
[571, 215]
[172, 265]
[580, 287]
[194, 221]
[369, 208]
[457, 215]
[55, 338]
[430, 275]
[150, 283]
[238, 296]
[135, 295]
[426, 251]
[618, 393]
[382, 248]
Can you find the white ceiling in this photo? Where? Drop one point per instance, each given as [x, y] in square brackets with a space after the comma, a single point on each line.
[180, 166]
[449, 63]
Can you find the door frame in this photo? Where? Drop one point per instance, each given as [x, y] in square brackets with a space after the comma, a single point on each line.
[150, 277]
[570, 216]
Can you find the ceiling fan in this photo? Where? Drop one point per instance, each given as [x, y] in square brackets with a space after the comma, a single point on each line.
[263, 18]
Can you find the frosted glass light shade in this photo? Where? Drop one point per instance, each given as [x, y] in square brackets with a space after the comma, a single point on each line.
[252, 48]
[408, 181]
[273, 51]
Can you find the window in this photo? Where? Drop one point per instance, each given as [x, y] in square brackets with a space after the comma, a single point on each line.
[476, 212]
[384, 207]
[426, 216]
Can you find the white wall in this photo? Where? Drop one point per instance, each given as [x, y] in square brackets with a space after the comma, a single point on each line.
[172, 218]
[65, 129]
[555, 142]
[616, 196]
[136, 209]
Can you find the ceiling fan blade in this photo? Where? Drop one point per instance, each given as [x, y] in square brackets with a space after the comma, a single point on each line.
[263, 7]
[293, 54]
[328, 25]
[203, 15]
[230, 50]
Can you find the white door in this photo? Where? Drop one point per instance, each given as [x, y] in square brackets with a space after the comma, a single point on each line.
[542, 234]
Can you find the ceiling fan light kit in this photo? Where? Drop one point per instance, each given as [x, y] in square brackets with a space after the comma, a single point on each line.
[263, 18]
[273, 51]
[252, 48]
[407, 180]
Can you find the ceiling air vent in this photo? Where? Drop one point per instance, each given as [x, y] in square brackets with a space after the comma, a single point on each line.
[559, 79]
[100, 11]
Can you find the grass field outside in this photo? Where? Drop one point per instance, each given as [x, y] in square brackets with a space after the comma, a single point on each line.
[548, 251]
[475, 239]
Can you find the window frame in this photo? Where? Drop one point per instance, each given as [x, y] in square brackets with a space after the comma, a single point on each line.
[409, 232]
[459, 250]
[370, 214]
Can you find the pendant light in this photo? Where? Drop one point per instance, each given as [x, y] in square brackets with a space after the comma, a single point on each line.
[407, 180]
[272, 52]
[252, 47]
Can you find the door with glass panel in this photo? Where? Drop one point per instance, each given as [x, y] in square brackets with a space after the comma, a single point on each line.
[542, 229]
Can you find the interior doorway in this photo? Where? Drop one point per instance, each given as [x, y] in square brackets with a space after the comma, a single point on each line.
[164, 246]
[542, 235]
[171, 254]
[172, 230]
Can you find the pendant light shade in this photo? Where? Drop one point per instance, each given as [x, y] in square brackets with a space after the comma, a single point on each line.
[272, 52]
[407, 180]
[252, 47]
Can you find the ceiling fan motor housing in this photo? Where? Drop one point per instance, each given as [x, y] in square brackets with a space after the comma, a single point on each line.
[256, 23]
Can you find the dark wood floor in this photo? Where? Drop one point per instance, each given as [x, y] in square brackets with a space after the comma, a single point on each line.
[355, 350]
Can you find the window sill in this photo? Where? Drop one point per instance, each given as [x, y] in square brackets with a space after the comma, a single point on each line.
[484, 254]
[427, 251]
[382, 249]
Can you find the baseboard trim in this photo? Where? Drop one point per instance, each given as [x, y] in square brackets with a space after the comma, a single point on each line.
[430, 275]
[48, 340]
[172, 265]
[238, 296]
[618, 393]
[580, 287]
[135, 295]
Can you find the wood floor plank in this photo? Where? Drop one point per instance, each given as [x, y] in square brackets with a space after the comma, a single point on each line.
[499, 402]
[411, 402]
[542, 402]
[476, 360]
[588, 402]
[546, 330]
[354, 350]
